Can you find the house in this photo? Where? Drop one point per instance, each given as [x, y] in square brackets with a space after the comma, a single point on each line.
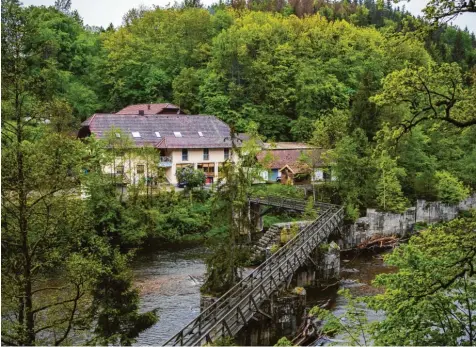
[199, 141]
[292, 162]
[148, 109]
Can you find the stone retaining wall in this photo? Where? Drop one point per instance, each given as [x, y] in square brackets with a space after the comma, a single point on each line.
[387, 224]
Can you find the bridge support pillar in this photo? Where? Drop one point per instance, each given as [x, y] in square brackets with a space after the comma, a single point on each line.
[282, 316]
[256, 218]
[322, 268]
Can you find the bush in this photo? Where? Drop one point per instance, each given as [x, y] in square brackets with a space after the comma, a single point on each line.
[191, 177]
[283, 341]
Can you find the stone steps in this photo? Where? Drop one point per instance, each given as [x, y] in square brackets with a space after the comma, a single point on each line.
[271, 237]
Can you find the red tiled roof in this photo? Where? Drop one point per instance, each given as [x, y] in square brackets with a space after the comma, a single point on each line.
[150, 109]
[282, 157]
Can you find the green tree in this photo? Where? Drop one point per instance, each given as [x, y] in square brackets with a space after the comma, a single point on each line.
[432, 297]
[231, 202]
[446, 10]
[115, 304]
[43, 222]
[191, 178]
[353, 325]
[450, 189]
[46, 227]
[352, 167]
[330, 128]
[429, 93]
[310, 212]
[186, 89]
[389, 190]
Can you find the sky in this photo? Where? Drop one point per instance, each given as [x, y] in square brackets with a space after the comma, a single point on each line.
[103, 12]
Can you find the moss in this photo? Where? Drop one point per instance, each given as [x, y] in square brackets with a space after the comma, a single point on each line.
[275, 248]
[324, 247]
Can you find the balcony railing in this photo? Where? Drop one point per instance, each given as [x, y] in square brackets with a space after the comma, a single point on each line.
[165, 161]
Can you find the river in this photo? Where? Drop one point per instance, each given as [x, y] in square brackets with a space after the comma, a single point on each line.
[169, 282]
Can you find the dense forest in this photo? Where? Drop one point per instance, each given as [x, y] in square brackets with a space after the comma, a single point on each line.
[390, 96]
[329, 73]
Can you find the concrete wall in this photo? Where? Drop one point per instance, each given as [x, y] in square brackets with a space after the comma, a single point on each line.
[387, 224]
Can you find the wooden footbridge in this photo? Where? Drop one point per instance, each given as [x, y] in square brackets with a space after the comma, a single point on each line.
[232, 311]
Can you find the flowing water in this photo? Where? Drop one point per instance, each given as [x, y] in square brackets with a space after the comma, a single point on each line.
[169, 281]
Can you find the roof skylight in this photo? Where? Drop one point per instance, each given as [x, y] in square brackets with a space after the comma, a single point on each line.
[157, 134]
[177, 134]
[200, 134]
[118, 134]
[135, 134]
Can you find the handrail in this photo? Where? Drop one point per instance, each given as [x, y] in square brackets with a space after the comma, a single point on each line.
[242, 291]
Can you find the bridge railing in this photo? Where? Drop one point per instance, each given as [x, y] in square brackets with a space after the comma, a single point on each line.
[232, 310]
[291, 203]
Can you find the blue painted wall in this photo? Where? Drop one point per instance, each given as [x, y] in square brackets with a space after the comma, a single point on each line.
[273, 175]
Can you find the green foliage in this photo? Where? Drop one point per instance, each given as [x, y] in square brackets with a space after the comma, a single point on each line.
[352, 167]
[223, 341]
[431, 298]
[231, 202]
[274, 248]
[264, 190]
[389, 190]
[330, 128]
[310, 212]
[192, 178]
[115, 305]
[288, 234]
[429, 93]
[283, 341]
[450, 189]
[353, 324]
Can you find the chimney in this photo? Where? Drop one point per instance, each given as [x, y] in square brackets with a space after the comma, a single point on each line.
[141, 112]
[148, 107]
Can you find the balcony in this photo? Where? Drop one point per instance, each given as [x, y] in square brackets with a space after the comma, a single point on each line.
[165, 161]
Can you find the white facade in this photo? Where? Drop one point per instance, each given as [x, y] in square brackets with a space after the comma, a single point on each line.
[318, 175]
[134, 168]
[196, 157]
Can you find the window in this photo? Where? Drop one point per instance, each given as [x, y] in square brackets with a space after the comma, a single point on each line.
[157, 134]
[135, 134]
[208, 168]
[177, 134]
[140, 169]
[227, 153]
[184, 154]
[206, 155]
[120, 169]
[200, 134]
